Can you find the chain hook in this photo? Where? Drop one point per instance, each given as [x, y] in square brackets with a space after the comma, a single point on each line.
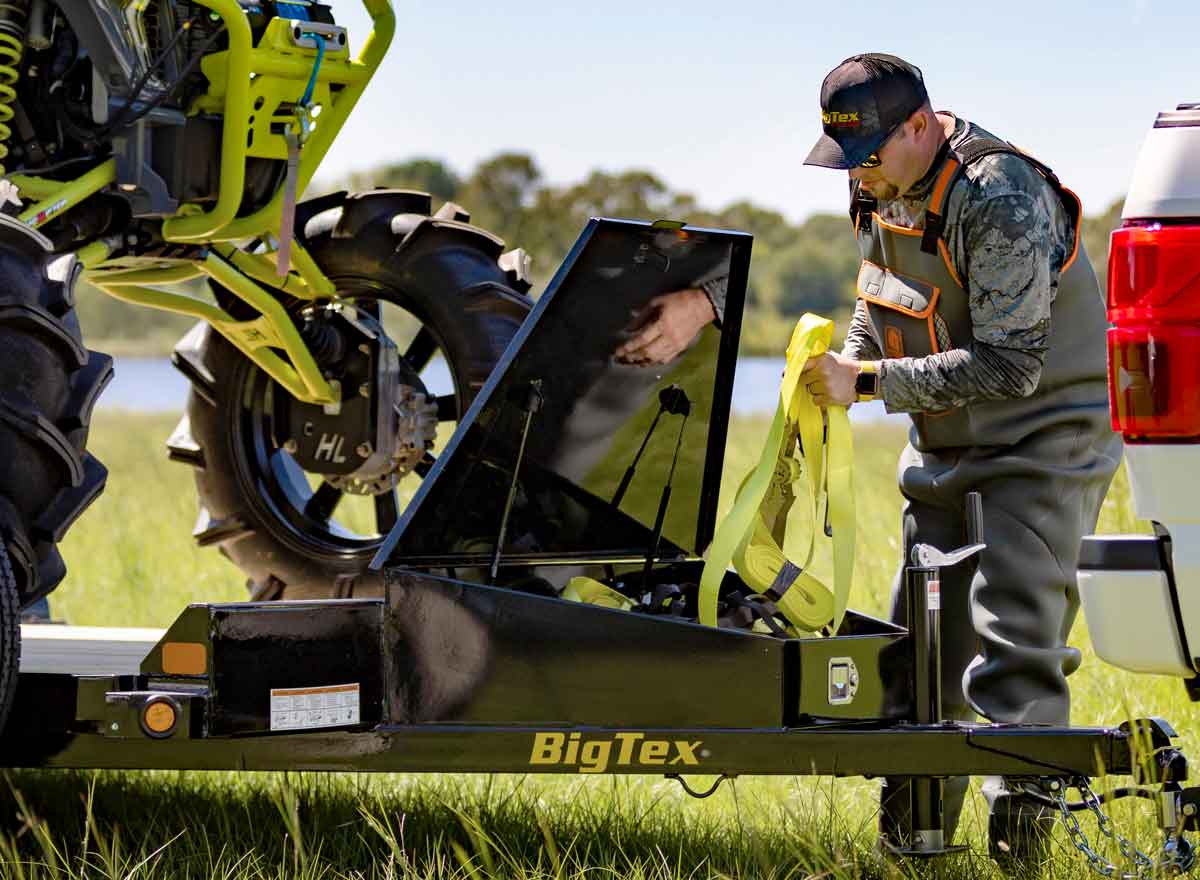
[1143, 866]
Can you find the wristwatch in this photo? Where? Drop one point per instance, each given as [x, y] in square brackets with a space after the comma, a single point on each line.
[866, 383]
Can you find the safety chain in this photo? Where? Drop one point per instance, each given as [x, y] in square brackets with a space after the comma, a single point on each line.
[1144, 866]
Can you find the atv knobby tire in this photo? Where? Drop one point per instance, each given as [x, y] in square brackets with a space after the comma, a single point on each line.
[383, 247]
[48, 385]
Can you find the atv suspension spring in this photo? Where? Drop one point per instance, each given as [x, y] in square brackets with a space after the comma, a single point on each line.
[327, 345]
[14, 19]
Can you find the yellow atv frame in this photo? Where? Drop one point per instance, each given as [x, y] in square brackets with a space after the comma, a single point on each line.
[247, 85]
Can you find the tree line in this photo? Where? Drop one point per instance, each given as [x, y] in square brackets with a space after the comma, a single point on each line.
[796, 267]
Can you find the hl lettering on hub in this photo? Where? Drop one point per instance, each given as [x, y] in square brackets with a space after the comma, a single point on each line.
[595, 755]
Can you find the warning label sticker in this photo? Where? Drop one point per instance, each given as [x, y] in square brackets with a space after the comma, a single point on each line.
[333, 705]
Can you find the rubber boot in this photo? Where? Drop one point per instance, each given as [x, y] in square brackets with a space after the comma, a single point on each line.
[1019, 830]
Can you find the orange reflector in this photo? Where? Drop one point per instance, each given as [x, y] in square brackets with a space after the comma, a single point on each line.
[159, 717]
[184, 658]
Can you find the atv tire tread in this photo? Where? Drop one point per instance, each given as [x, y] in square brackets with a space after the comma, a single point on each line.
[10, 636]
[49, 383]
[453, 269]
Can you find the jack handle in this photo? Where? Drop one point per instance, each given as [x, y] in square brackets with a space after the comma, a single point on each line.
[925, 556]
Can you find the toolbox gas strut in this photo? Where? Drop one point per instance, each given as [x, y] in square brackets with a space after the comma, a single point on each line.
[533, 403]
[672, 400]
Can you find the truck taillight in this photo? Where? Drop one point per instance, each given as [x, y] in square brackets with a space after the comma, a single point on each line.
[1154, 343]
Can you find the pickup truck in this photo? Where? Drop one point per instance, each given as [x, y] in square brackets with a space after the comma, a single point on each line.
[1141, 593]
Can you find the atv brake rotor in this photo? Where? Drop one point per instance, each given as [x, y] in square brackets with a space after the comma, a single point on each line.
[417, 419]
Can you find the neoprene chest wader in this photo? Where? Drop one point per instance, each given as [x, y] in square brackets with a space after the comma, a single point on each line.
[918, 306]
[1042, 463]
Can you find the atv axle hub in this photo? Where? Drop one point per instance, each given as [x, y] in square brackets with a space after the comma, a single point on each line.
[375, 434]
[416, 418]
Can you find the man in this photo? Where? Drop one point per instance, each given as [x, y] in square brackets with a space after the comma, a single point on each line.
[978, 314]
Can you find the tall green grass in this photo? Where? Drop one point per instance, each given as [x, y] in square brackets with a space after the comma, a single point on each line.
[132, 562]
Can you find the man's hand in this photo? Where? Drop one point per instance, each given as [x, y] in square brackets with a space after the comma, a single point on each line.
[830, 379]
[666, 327]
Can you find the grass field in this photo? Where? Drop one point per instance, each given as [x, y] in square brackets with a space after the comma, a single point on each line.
[132, 563]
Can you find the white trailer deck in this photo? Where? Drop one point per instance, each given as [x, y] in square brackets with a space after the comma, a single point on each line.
[85, 650]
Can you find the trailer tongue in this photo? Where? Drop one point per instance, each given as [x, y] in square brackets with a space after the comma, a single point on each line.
[461, 655]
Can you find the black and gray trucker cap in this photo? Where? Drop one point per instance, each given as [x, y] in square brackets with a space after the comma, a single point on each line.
[863, 100]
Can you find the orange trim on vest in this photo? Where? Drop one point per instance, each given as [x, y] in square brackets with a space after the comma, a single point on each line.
[908, 230]
[1042, 168]
[882, 303]
[945, 252]
[943, 184]
[1078, 230]
[926, 314]
[903, 230]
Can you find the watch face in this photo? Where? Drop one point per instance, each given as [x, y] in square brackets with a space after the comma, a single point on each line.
[867, 383]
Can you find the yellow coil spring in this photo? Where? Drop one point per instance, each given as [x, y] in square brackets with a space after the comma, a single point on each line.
[10, 62]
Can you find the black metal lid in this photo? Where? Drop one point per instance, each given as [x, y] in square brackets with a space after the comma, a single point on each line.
[588, 416]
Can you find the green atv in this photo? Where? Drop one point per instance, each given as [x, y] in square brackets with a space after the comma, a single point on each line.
[155, 148]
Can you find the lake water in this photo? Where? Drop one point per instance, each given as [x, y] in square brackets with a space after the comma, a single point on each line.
[153, 385]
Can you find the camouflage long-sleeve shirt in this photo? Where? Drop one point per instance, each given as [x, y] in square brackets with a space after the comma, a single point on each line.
[1008, 236]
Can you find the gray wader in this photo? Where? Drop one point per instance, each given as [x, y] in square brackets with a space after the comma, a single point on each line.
[1042, 464]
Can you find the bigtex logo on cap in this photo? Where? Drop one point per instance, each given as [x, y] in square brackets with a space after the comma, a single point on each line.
[841, 120]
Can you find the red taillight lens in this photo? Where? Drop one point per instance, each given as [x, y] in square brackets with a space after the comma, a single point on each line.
[1154, 274]
[1154, 381]
[1154, 345]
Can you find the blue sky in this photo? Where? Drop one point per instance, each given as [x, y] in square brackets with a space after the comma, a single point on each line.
[720, 98]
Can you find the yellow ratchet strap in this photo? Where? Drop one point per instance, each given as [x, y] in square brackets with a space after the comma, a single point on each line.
[592, 592]
[751, 536]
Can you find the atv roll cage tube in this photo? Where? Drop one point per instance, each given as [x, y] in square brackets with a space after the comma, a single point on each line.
[254, 338]
[277, 70]
[277, 73]
[55, 197]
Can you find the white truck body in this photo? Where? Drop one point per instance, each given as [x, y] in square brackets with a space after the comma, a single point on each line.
[1141, 594]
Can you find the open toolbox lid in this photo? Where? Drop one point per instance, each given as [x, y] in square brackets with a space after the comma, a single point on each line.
[593, 415]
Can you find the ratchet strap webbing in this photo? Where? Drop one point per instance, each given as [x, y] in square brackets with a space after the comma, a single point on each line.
[751, 536]
[592, 592]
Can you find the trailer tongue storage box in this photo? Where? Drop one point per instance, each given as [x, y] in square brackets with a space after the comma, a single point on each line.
[570, 468]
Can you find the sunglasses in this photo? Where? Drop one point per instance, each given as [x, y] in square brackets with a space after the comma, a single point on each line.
[873, 160]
